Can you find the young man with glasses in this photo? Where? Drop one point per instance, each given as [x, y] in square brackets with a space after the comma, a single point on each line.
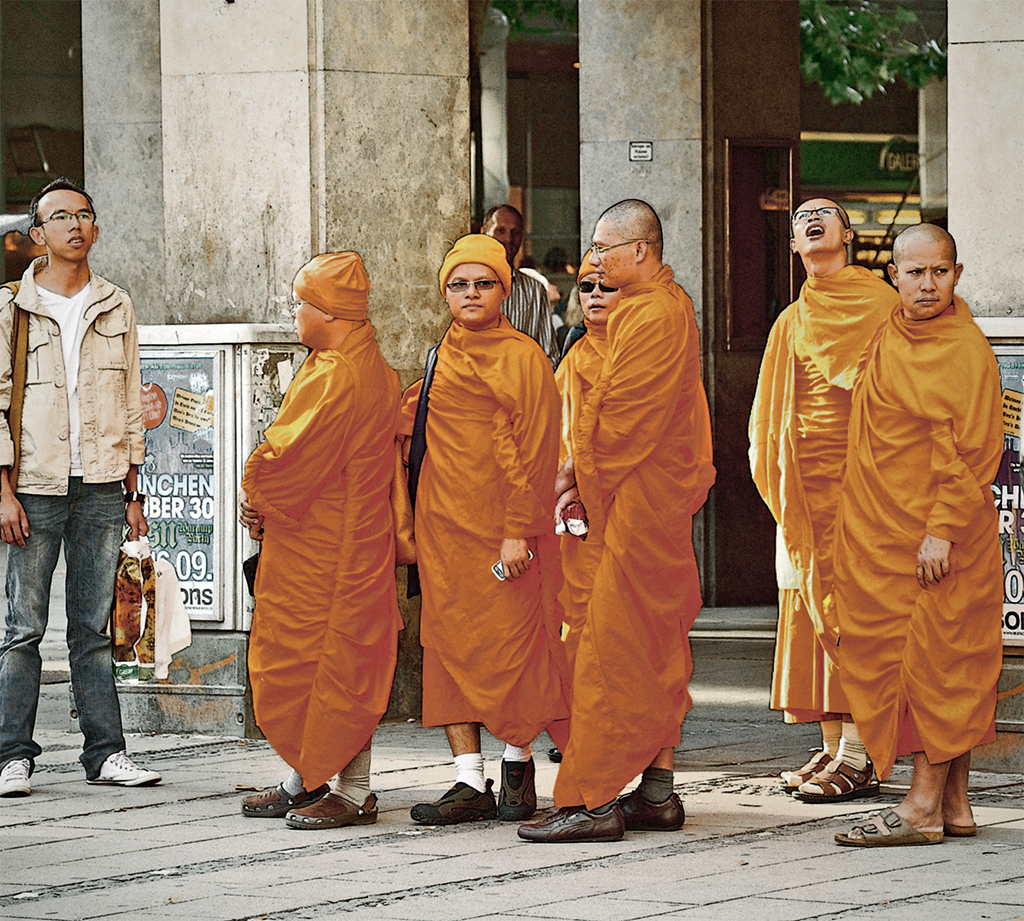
[642, 468]
[485, 545]
[798, 439]
[82, 440]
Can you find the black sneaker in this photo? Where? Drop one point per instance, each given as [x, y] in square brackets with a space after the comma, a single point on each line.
[460, 804]
[517, 800]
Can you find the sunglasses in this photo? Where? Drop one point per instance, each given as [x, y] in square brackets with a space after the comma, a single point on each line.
[459, 287]
[587, 286]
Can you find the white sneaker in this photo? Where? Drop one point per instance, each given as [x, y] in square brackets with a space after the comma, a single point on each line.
[14, 778]
[121, 771]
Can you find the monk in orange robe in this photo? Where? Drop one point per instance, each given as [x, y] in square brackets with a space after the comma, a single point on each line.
[918, 559]
[576, 376]
[485, 546]
[798, 438]
[642, 468]
[317, 492]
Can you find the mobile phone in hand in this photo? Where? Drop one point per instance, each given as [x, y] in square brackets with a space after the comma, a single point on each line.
[499, 570]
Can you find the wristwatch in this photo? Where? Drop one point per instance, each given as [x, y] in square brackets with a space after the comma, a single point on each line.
[133, 496]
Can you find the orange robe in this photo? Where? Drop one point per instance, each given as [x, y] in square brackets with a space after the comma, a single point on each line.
[324, 637]
[576, 375]
[491, 649]
[920, 666]
[643, 467]
[798, 438]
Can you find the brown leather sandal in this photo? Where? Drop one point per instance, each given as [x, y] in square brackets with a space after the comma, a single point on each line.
[838, 782]
[819, 761]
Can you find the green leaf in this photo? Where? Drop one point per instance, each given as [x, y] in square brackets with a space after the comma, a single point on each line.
[855, 48]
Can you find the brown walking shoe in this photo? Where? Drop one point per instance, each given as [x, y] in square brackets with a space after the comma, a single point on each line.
[640, 815]
[574, 823]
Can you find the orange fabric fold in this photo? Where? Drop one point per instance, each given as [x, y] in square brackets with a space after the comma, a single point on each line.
[920, 666]
[798, 427]
[324, 638]
[492, 652]
[575, 377]
[643, 466]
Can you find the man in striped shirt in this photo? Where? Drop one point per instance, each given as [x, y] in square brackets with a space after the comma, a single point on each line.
[527, 307]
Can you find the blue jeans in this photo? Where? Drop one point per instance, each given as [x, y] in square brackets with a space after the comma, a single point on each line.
[89, 521]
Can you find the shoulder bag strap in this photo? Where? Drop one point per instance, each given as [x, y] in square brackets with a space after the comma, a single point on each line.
[417, 450]
[19, 361]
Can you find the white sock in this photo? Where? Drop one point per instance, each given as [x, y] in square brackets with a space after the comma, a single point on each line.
[352, 783]
[517, 754]
[293, 784]
[851, 748]
[469, 769]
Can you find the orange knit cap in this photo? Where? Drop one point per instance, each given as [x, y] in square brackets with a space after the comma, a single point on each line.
[586, 267]
[481, 249]
[336, 283]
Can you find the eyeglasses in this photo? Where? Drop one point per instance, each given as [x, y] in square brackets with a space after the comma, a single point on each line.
[62, 217]
[587, 286]
[802, 217]
[461, 287]
[601, 250]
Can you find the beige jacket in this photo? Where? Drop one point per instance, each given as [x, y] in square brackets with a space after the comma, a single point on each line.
[109, 390]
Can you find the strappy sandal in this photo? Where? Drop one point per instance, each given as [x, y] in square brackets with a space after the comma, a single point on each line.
[792, 779]
[887, 830]
[838, 782]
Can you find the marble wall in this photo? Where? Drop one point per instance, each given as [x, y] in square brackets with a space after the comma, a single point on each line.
[986, 151]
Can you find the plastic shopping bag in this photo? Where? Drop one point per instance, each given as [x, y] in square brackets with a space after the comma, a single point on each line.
[133, 613]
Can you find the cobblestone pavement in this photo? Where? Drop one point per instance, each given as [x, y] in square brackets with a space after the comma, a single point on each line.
[182, 850]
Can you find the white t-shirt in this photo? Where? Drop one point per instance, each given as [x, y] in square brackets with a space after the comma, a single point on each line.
[68, 312]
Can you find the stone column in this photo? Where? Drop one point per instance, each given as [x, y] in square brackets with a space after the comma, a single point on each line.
[494, 107]
[231, 141]
[986, 151]
[640, 80]
[392, 177]
[121, 100]
[986, 140]
[933, 149]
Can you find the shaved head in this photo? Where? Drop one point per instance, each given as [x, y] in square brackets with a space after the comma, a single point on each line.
[923, 233]
[635, 220]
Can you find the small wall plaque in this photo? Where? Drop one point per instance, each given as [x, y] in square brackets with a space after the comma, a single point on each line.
[641, 151]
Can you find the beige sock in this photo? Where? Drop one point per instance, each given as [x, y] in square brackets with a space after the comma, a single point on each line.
[831, 731]
[353, 782]
[851, 748]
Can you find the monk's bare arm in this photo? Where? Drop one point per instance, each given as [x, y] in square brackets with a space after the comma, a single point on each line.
[515, 555]
[933, 560]
[566, 477]
[248, 517]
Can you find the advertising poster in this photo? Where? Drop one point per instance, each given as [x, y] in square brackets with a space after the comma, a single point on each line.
[1007, 494]
[179, 477]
